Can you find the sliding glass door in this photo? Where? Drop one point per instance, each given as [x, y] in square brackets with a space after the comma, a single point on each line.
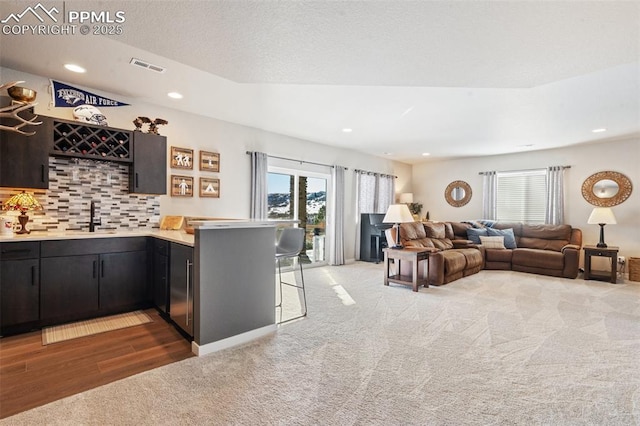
[301, 196]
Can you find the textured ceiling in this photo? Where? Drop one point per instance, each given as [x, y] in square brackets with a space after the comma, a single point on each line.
[452, 78]
[391, 43]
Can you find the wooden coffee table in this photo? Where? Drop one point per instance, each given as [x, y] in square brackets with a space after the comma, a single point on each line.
[410, 254]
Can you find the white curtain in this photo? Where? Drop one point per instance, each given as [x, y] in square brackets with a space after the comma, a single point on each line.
[489, 195]
[366, 190]
[336, 249]
[375, 192]
[386, 193]
[259, 168]
[554, 210]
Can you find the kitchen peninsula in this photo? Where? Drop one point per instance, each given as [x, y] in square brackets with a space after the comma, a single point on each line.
[228, 275]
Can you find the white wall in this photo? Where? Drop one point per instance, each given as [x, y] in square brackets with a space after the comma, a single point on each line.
[231, 141]
[431, 179]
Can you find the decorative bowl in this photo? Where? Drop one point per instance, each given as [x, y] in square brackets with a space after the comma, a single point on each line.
[22, 94]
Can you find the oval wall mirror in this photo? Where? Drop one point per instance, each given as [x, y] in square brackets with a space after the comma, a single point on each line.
[606, 189]
[458, 193]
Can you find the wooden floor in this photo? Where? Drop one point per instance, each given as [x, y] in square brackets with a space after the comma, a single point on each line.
[32, 374]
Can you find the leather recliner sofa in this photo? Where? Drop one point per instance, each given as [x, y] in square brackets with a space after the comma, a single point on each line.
[540, 249]
[455, 257]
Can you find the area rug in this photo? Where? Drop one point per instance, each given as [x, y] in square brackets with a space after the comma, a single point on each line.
[75, 330]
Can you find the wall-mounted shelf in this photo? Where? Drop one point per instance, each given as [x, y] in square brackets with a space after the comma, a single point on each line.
[73, 139]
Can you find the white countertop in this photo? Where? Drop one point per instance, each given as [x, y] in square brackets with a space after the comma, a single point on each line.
[237, 223]
[179, 236]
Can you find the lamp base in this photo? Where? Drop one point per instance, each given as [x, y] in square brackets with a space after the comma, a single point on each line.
[601, 243]
[23, 219]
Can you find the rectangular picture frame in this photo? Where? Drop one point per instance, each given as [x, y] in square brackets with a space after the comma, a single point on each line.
[181, 158]
[209, 187]
[181, 186]
[209, 161]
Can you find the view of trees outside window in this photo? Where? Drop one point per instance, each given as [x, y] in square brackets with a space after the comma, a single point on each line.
[304, 198]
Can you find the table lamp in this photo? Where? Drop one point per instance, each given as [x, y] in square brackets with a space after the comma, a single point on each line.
[396, 214]
[602, 216]
[23, 203]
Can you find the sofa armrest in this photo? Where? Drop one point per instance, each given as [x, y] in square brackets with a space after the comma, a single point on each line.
[571, 254]
[570, 247]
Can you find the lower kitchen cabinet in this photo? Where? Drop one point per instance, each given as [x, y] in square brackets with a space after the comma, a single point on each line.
[111, 278]
[123, 280]
[69, 288]
[160, 273]
[181, 287]
[20, 288]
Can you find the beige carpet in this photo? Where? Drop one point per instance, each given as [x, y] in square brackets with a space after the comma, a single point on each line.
[495, 348]
[78, 329]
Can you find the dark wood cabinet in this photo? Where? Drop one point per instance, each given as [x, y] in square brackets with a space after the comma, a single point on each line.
[24, 160]
[161, 275]
[69, 288]
[123, 280]
[181, 286]
[90, 277]
[148, 172]
[19, 285]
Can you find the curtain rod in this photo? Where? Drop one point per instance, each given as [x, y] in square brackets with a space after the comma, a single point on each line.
[523, 170]
[374, 173]
[297, 161]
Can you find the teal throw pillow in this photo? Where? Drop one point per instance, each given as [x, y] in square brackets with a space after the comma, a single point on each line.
[473, 234]
[509, 237]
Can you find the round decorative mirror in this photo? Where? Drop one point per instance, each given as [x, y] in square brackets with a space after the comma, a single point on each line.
[606, 189]
[458, 193]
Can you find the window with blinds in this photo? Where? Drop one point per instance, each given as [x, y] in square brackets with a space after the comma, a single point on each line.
[521, 196]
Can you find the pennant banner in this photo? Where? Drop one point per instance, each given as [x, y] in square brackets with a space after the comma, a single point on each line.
[65, 96]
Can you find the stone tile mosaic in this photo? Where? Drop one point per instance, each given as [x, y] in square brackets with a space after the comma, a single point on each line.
[74, 183]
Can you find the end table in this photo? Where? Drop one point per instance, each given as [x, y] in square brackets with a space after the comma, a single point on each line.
[411, 254]
[611, 252]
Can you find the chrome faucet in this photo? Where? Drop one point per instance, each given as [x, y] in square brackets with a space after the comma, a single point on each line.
[92, 218]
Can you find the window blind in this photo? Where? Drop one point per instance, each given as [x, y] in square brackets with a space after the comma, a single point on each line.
[521, 196]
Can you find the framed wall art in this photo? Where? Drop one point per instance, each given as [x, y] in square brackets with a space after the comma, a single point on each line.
[209, 187]
[181, 186]
[181, 158]
[209, 161]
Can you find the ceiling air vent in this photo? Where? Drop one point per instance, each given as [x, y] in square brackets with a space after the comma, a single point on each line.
[142, 64]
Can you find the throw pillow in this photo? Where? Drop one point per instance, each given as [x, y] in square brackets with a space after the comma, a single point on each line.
[509, 237]
[473, 234]
[492, 242]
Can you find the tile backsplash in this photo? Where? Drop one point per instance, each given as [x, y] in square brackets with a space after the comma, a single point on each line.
[74, 183]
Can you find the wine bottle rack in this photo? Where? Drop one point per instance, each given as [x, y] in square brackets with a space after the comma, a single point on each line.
[95, 142]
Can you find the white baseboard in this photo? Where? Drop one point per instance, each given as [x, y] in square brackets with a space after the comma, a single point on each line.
[233, 340]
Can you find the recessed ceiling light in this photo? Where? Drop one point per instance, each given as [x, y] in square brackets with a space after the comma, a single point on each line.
[75, 68]
[600, 130]
[175, 95]
[425, 154]
[347, 130]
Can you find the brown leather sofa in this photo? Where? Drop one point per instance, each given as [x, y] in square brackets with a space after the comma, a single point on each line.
[455, 258]
[540, 249]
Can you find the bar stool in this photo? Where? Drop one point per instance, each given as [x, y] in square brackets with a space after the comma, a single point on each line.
[289, 246]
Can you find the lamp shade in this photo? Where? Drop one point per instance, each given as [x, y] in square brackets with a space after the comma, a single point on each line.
[22, 202]
[405, 197]
[398, 213]
[602, 215]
